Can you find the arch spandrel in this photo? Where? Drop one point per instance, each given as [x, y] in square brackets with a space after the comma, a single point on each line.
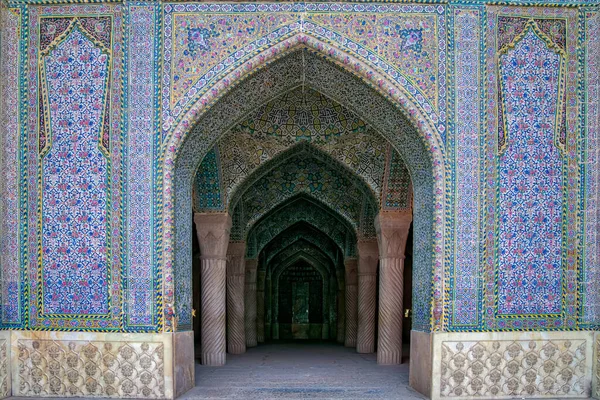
[327, 69]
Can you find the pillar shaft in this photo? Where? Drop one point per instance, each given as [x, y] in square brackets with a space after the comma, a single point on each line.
[250, 303]
[351, 301]
[236, 274]
[260, 307]
[367, 297]
[213, 235]
[341, 317]
[392, 232]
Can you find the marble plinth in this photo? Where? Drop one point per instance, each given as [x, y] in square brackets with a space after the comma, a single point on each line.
[5, 367]
[86, 364]
[419, 377]
[596, 370]
[505, 365]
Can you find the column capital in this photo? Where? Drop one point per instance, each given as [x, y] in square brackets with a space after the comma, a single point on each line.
[392, 232]
[251, 268]
[368, 254]
[236, 258]
[213, 234]
[351, 268]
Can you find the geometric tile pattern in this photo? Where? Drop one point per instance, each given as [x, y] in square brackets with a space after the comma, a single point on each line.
[10, 266]
[71, 159]
[142, 276]
[207, 183]
[529, 275]
[306, 173]
[591, 107]
[398, 50]
[531, 179]
[302, 115]
[465, 280]
[74, 201]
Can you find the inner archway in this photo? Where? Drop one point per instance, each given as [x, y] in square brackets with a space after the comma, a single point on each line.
[355, 95]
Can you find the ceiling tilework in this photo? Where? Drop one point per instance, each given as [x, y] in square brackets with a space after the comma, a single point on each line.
[302, 115]
[308, 175]
[300, 209]
[207, 182]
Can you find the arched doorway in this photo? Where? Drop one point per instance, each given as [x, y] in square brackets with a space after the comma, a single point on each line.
[306, 68]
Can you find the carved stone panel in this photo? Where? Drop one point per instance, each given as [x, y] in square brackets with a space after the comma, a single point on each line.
[5, 387]
[47, 366]
[513, 365]
[596, 374]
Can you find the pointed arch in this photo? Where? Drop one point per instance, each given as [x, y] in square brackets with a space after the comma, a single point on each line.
[303, 59]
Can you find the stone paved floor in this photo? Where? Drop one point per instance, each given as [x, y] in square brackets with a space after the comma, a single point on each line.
[302, 370]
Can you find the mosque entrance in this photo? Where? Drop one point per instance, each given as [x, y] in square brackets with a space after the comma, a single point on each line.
[303, 205]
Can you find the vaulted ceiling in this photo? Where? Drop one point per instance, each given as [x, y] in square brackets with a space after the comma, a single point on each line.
[302, 143]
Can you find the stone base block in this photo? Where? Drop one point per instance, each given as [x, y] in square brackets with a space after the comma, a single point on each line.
[87, 364]
[596, 372]
[5, 367]
[506, 365]
[420, 362]
[184, 371]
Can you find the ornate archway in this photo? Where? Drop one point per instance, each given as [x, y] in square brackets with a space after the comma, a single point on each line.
[385, 109]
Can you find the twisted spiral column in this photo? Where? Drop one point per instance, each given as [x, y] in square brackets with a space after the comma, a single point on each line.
[341, 318]
[250, 303]
[236, 330]
[392, 232]
[213, 311]
[351, 303]
[365, 339]
[367, 296]
[391, 284]
[213, 237]
[260, 307]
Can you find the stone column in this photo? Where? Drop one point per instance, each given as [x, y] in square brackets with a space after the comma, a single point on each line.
[392, 231]
[367, 295]
[260, 307]
[213, 235]
[351, 267]
[341, 315]
[268, 305]
[250, 302]
[236, 272]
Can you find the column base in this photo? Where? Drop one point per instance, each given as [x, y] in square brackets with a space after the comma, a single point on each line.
[365, 349]
[251, 343]
[213, 359]
[260, 339]
[236, 348]
[350, 343]
[389, 358]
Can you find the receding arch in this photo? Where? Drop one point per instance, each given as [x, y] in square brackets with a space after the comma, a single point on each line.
[347, 193]
[301, 230]
[301, 209]
[371, 95]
